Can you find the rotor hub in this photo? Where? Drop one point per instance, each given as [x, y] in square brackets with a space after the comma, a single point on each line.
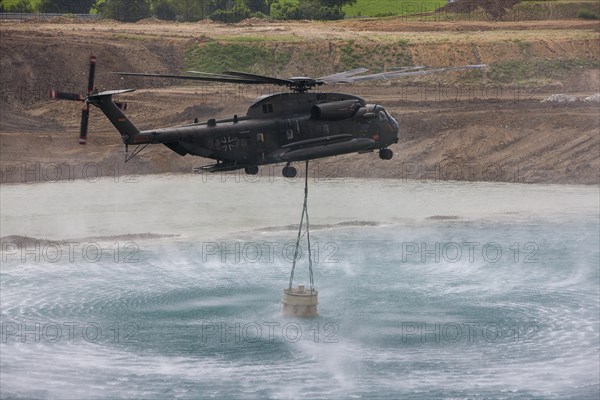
[302, 84]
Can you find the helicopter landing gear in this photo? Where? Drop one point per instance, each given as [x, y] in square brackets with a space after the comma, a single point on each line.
[386, 154]
[289, 172]
[251, 169]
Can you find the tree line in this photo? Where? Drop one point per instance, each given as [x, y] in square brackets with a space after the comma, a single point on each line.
[227, 10]
[188, 10]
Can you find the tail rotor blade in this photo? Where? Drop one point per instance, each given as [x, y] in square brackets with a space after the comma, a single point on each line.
[85, 116]
[90, 88]
[85, 111]
[55, 94]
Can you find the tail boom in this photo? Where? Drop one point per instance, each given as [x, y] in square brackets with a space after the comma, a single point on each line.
[105, 103]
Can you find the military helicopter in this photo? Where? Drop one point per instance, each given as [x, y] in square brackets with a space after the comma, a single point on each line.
[280, 128]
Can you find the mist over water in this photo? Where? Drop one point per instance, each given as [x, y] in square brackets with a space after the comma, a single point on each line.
[170, 286]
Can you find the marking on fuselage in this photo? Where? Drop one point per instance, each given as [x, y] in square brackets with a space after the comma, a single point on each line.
[228, 143]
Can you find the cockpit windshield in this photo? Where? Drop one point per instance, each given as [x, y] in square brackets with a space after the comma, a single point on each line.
[392, 121]
[383, 116]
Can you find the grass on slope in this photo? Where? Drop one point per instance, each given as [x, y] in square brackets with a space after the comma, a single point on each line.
[217, 57]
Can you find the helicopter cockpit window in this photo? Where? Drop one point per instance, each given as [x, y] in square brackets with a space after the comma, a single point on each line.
[267, 108]
[382, 116]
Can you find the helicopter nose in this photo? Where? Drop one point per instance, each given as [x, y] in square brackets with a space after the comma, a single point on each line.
[395, 126]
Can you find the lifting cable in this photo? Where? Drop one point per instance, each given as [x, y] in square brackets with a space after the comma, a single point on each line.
[137, 151]
[301, 235]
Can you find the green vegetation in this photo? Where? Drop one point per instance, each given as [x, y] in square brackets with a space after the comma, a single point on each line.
[382, 8]
[131, 37]
[65, 6]
[527, 9]
[523, 46]
[258, 39]
[20, 5]
[218, 57]
[378, 56]
[256, 54]
[310, 9]
[587, 14]
[126, 11]
[377, 8]
[134, 10]
[48, 6]
[523, 71]
[562, 9]
[236, 10]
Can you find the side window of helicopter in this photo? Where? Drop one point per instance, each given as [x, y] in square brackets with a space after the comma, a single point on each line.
[289, 134]
[382, 116]
[260, 138]
[267, 108]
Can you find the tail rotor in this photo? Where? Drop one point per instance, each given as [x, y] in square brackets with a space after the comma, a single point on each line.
[85, 111]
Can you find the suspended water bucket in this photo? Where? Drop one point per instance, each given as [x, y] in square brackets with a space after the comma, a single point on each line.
[299, 302]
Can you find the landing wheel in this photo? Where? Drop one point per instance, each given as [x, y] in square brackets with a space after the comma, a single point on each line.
[386, 154]
[289, 172]
[251, 169]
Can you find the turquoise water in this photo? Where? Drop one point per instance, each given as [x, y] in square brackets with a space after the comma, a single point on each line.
[426, 290]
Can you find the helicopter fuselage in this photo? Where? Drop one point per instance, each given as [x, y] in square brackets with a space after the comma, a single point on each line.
[285, 127]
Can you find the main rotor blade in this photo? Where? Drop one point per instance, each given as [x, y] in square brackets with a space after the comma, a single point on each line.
[346, 77]
[208, 74]
[195, 78]
[397, 74]
[263, 78]
[344, 74]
